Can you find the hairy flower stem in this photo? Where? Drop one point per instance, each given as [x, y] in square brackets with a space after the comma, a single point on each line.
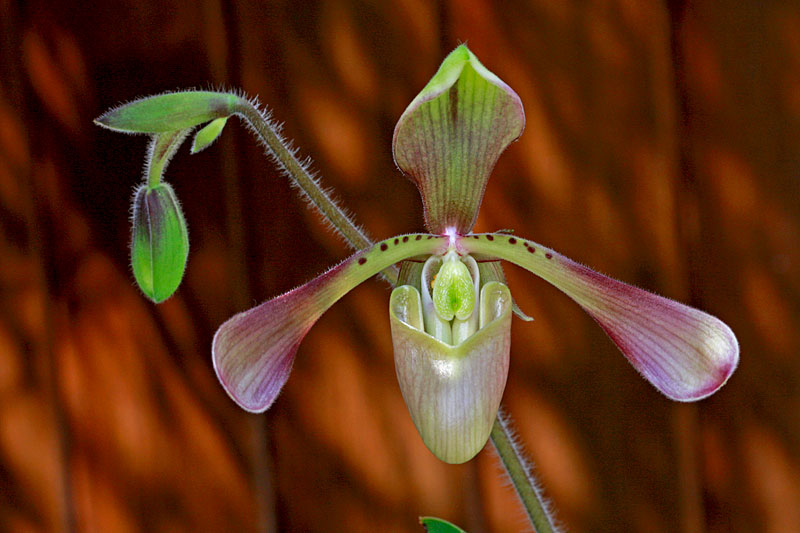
[520, 473]
[298, 172]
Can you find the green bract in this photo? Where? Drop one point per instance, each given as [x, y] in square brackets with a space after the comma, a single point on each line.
[169, 112]
[159, 242]
[208, 134]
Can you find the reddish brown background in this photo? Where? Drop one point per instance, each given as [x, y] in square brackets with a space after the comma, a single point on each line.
[661, 148]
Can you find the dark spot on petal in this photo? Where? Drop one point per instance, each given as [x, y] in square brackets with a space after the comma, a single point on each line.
[548, 255]
[383, 247]
[418, 237]
[453, 102]
[396, 241]
[512, 240]
[362, 260]
[430, 236]
[405, 239]
[490, 237]
[531, 249]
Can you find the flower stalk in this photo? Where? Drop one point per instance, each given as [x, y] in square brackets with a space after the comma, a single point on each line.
[519, 471]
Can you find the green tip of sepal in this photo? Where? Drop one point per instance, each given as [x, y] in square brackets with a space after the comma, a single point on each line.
[159, 241]
[169, 112]
[208, 134]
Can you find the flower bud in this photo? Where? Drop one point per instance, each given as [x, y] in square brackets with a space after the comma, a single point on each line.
[160, 241]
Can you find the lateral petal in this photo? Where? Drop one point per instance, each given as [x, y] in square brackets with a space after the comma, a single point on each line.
[685, 353]
[253, 351]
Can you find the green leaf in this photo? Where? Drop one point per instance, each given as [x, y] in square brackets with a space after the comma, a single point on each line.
[159, 242]
[208, 134]
[169, 112]
[437, 525]
[449, 138]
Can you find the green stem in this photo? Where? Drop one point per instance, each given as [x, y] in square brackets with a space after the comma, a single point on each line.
[298, 172]
[162, 147]
[520, 473]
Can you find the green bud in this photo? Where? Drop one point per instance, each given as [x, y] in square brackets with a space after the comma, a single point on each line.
[169, 112]
[208, 134]
[453, 291]
[160, 241]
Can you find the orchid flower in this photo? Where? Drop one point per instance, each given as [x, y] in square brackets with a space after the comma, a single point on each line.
[451, 312]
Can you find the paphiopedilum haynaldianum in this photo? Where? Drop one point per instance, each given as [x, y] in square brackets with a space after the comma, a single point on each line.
[451, 316]
[451, 312]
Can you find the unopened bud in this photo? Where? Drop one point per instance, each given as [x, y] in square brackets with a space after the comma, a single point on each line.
[160, 241]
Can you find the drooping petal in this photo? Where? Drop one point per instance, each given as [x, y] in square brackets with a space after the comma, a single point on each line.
[253, 351]
[450, 136]
[685, 353]
[452, 392]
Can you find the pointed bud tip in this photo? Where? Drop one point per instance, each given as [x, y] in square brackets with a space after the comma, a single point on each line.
[208, 134]
[453, 392]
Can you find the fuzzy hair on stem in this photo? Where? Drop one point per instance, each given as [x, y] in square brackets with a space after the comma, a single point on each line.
[520, 473]
[269, 132]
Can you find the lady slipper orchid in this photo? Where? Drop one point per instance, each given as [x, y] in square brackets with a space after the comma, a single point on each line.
[451, 313]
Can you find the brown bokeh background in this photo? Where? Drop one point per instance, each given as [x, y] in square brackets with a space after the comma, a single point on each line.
[661, 148]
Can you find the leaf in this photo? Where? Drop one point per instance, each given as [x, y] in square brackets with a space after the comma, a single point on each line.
[437, 525]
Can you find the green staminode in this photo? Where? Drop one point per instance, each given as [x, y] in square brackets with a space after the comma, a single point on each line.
[453, 290]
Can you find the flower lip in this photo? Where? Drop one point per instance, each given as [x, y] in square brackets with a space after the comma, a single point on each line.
[685, 353]
[453, 392]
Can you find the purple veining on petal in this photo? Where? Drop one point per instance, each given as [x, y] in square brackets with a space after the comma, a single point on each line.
[266, 339]
[253, 351]
[685, 353]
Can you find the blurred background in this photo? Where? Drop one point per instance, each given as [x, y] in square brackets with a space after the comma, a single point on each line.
[661, 148]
